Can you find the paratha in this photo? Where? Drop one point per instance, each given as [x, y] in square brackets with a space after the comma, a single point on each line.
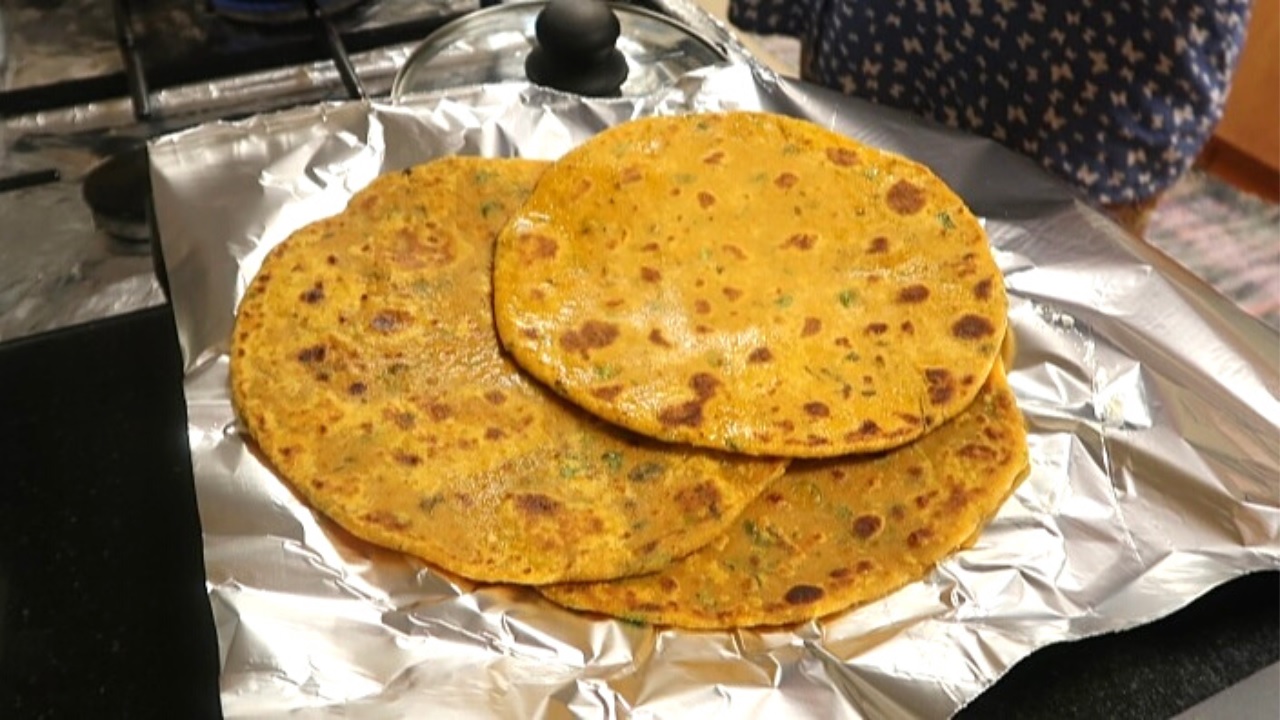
[750, 282]
[835, 533]
[366, 368]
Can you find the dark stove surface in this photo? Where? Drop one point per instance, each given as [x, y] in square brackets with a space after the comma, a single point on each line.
[80, 51]
[181, 41]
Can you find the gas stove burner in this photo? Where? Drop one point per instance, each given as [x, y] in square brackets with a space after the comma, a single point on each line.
[278, 12]
[117, 191]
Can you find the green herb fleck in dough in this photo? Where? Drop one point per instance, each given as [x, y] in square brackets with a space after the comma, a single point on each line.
[871, 173]
[490, 207]
[784, 301]
[758, 535]
[848, 298]
[815, 492]
[944, 219]
[605, 371]
[613, 459]
[852, 357]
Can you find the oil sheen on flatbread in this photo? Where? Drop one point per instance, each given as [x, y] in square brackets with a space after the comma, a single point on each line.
[366, 369]
[750, 282]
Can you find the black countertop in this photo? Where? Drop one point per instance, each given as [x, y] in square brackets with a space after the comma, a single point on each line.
[103, 612]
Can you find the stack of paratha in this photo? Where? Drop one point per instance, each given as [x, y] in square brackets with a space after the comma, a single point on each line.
[590, 376]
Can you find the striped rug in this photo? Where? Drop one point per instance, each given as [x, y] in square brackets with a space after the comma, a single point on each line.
[1227, 237]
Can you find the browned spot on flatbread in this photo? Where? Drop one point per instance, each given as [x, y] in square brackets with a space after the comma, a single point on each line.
[713, 158]
[737, 252]
[590, 335]
[879, 245]
[649, 274]
[913, 294]
[842, 156]
[922, 501]
[732, 293]
[786, 180]
[402, 419]
[535, 504]
[668, 584]
[919, 537]
[702, 307]
[905, 198]
[972, 327]
[313, 354]
[416, 252]
[878, 328]
[389, 321]
[493, 433]
[686, 414]
[800, 241]
[607, 392]
[650, 247]
[760, 355]
[357, 389]
[704, 384]
[495, 397]
[631, 174]
[866, 526]
[982, 290]
[655, 337]
[541, 247]
[942, 385]
[689, 413]
[907, 327]
[804, 595]
[646, 472]
[817, 409]
[313, 295]
[867, 429]
[386, 519]
[438, 411]
[706, 199]
[812, 326]
[700, 499]
[981, 453]
[407, 458]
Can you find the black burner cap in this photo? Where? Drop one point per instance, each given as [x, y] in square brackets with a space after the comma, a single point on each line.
[118, 191]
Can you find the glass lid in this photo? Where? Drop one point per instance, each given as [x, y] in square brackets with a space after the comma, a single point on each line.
[492, 46]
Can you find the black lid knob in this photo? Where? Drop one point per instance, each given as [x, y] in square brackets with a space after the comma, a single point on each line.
[576, 50]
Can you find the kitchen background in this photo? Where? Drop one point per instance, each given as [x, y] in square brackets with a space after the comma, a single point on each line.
[73, 227]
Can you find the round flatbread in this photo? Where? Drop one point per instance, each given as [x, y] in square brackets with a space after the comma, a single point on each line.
[366, 368]
[832, 534]
[751, 282]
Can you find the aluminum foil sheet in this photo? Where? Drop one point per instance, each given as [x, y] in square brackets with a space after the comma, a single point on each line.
[1151, 403]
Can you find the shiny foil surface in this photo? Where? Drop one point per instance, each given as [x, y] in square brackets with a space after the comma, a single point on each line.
[1151, 404]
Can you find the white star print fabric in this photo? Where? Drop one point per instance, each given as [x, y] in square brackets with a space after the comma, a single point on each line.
[1116, 96]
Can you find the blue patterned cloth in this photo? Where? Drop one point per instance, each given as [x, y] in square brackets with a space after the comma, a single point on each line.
[1116, 96]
